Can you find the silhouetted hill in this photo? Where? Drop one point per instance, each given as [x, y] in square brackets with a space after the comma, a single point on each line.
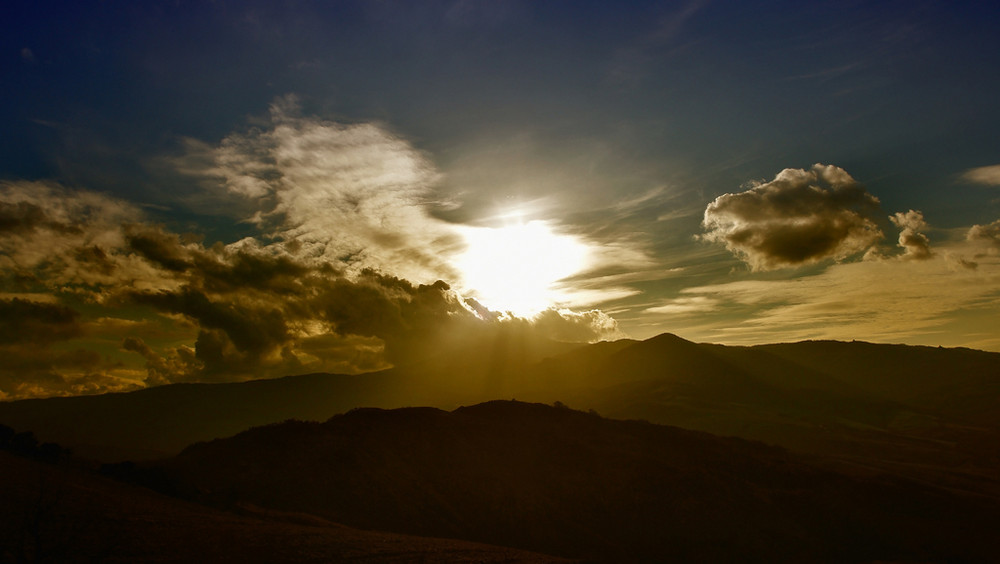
[56, 514]
[160, 421]
[920, 412]
[963, 383]
[570, 483]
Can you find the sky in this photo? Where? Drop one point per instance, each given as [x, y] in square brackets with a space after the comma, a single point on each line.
[226, 190]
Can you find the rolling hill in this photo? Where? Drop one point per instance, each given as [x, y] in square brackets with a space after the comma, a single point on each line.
[924, 413]
[565, 482]
[62, 513]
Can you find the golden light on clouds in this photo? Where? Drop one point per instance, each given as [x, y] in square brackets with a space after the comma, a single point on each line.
[516, 267]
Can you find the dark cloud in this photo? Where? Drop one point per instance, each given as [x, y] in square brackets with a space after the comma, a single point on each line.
[20, 217]
[162, 249]
[178, 367]
[911, 239]
[253, 330]
[23, 321]
[32, 367]
[800, 217]
[324, 286]
[63, 238]
[243, 269]
[264, 315]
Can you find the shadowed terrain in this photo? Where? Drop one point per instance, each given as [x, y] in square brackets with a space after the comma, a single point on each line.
[160, 421]
[924, 413]
[565, 482]
[67, 514]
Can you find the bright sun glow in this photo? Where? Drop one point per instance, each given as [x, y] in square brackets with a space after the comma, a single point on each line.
[515, 268]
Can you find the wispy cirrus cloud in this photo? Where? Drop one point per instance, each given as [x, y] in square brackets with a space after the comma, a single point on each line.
[938, 300]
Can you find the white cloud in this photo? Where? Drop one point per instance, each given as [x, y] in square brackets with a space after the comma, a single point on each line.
[571, 326]
[989, 175]
[348, 193]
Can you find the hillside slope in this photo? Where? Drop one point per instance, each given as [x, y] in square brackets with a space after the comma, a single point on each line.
[161, 421]
[578, 485]
[58, 514]
[920, 412]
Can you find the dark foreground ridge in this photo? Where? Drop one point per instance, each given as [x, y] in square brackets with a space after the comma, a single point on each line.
[574, 484]
[61, 513]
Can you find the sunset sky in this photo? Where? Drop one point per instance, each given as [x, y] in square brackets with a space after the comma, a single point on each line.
[217, 191]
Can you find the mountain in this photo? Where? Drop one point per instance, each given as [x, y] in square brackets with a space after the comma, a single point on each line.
[160, 421]
[920, 412]
[575, 484]
[60, 513]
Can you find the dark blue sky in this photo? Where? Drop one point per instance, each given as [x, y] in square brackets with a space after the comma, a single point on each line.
[702, 93]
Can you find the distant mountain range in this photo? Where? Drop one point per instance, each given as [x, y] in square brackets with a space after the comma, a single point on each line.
[574, 484]
[885, 452]
[922, 412]
[65, 514]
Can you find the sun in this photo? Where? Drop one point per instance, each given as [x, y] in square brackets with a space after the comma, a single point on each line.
[516, 267]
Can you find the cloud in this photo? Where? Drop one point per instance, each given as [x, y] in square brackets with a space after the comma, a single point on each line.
[937, 301]
[179, 366]
[31, 366]
[66, 239]
[33, 322]
[344, 274]
[911, 239]
[261, 311]
[250, 309]
[686, 305]
[576, 327]
[989, 175]
[352, 192]
[986, 236]
[800, 217]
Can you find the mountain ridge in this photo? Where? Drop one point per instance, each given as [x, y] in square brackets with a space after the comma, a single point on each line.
[578, 485]
[61, 513]
[851, 402]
